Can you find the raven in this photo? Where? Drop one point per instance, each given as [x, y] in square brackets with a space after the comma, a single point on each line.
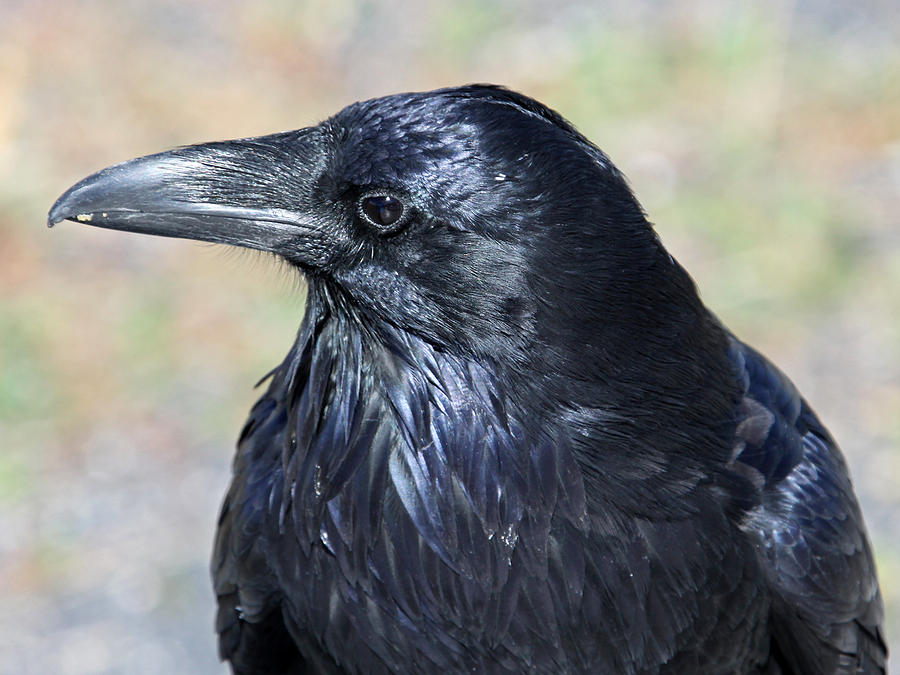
[509, 436]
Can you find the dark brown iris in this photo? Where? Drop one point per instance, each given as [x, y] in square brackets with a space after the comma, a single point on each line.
[383, 210]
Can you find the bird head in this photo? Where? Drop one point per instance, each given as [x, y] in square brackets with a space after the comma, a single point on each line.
[475, 218]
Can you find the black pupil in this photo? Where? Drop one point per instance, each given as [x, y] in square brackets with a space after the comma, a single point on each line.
[383, 210]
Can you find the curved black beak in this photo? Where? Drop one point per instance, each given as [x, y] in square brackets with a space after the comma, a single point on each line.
[252, 192]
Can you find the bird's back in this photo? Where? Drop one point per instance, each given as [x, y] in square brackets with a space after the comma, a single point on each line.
[807, 529]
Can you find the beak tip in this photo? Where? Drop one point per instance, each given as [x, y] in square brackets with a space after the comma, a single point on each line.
[58, 212]
[72, 205]
[54, 216]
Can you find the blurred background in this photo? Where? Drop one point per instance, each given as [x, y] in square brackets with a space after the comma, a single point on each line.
[762, 138]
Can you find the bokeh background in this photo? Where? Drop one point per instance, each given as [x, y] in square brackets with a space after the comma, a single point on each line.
[763, 139]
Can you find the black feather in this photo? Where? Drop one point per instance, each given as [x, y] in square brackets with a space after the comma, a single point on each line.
[509, 436]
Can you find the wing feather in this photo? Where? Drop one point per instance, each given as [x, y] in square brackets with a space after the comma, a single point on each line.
[810, 535]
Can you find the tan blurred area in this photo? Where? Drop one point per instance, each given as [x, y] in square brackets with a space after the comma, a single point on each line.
[762, 138]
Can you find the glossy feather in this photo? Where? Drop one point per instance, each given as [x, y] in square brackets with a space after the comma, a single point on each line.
[509, 436]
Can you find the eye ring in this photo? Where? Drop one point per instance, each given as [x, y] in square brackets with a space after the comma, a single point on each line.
[383, 211]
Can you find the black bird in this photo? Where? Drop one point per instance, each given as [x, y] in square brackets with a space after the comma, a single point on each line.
[509, 437]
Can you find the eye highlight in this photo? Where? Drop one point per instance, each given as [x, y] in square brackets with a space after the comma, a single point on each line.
[383, 211]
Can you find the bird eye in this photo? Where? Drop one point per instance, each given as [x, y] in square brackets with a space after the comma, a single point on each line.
[383, 211]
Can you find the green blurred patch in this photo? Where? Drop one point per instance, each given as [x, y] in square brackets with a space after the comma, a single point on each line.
[460, 27]
[146, 327]
[28, 387]
[17, 476]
